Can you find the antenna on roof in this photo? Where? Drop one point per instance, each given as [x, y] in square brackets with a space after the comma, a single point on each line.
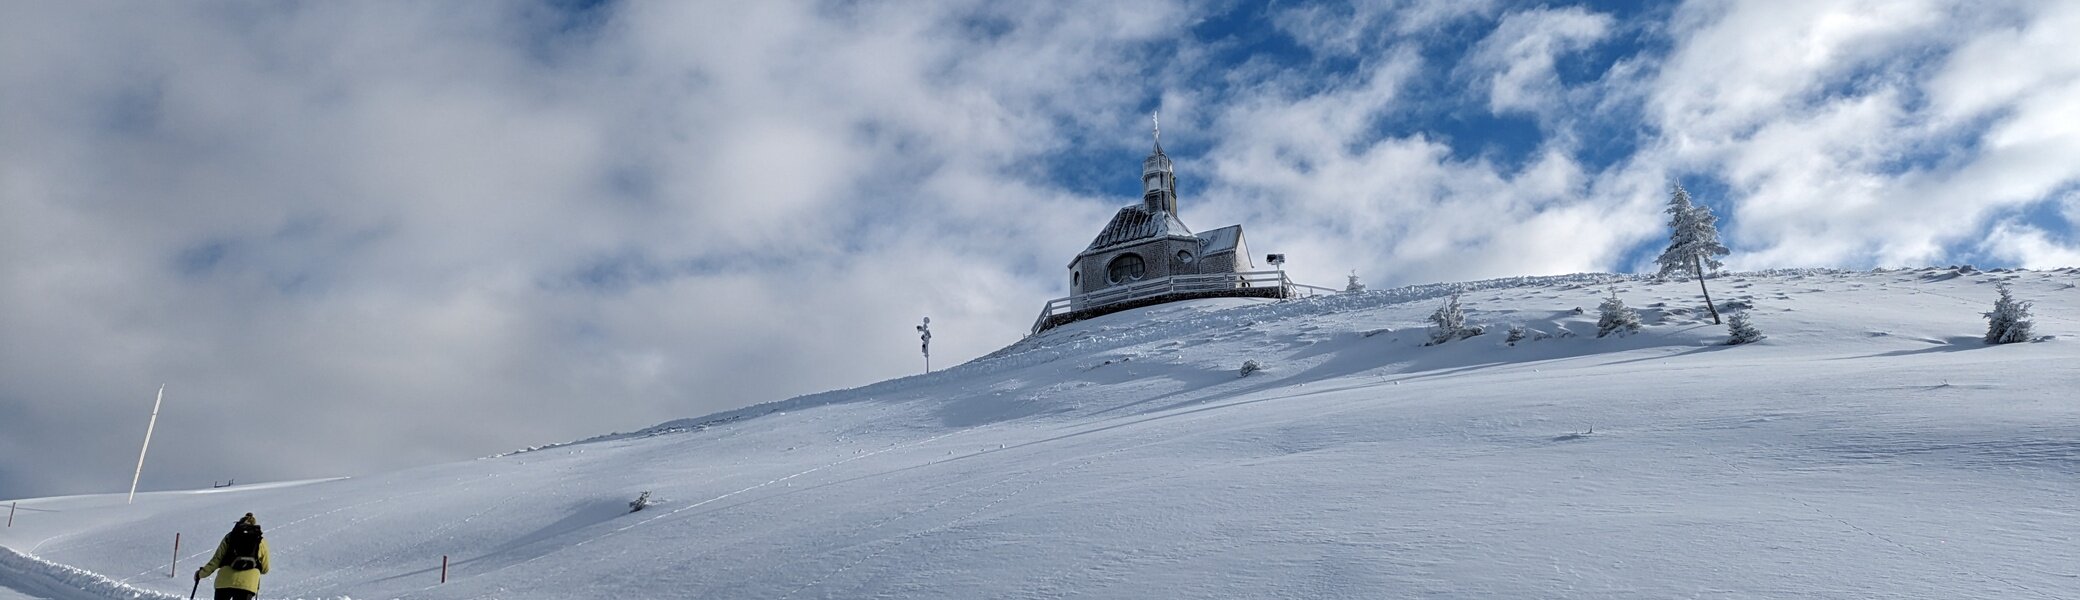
[1158, 119]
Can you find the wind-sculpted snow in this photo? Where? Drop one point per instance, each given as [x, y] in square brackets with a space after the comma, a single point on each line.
[38, 578]
[1870, 446]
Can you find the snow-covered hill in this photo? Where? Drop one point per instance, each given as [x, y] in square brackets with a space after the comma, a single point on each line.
[1870, 447]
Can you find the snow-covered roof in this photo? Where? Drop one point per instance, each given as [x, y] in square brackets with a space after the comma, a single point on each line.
[1220, 240]
[1136, 223]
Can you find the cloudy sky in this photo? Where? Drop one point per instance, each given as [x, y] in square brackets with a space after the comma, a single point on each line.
[353, 237]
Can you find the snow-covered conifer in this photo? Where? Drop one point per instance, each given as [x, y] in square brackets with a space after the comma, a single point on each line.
[1739, 330]
[1354, 286]
[1516, 334]
[1613, 316]
[2009, 322]
[1448, 322]
[1250, 366]
[1693, 241]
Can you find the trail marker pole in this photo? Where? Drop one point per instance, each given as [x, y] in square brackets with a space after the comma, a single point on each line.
[170, 569]
[444, 568]
[925, 333]
[147, 444]
[10, 513]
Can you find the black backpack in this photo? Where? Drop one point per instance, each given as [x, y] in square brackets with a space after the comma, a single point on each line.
[242, 547]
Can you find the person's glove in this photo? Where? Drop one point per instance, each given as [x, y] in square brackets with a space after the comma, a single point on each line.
[198, 574]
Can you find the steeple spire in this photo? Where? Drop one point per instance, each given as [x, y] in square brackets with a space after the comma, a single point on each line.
[1158, 182]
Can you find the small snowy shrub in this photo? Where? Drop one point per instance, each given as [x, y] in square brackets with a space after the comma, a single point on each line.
[1448, 323]
[1516, 334]
[1739, 330]
[1354, 286]
[1614, 316]
[639, 503]
[2009, 322]
[1250, 366]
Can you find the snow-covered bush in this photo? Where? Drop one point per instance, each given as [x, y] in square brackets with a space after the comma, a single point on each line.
[1739, 330]
[1516, 334]
[1354, 286]
[639, 503]
[1614, 316]
[2009, 322]
[1448, 323]
[1250, 366]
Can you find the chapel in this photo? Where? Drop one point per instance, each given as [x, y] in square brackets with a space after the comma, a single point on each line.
[1149, 241]
[1146, 255]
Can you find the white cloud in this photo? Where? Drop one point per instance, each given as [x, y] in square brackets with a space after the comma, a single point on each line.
[1813, 112]
[2030, 247]
[1305, 175]
[377, 235]
[1740, 64]
[2012, 61]
[1518, 56]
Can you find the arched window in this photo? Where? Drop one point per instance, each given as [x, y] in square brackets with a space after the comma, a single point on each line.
[1184, 256]
[1126, 267]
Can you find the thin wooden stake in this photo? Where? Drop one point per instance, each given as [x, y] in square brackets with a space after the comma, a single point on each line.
[170, 569]
[444, 568]
[10, 513]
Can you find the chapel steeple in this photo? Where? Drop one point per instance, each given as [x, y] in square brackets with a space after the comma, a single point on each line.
[1158, 181]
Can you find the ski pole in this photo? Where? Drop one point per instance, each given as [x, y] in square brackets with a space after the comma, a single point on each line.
[192, 589]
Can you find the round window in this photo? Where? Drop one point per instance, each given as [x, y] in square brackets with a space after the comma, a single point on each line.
[1184, 256]
[1126, 267]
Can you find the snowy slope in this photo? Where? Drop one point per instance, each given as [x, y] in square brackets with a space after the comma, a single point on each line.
[1870, 447]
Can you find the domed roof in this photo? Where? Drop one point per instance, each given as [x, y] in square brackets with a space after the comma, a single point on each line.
[1136, 223]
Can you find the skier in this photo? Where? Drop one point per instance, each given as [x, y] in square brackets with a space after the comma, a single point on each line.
[239, 562]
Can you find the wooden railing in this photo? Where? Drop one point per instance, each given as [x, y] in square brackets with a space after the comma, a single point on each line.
[1275, 282]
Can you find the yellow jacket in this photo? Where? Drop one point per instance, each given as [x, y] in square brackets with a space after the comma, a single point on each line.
[227, 577]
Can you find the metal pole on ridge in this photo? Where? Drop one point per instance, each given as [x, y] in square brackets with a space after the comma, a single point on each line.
[176, 565]
[147, 443]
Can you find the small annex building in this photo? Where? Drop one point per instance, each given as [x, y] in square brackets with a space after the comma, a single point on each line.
[1146, 255]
